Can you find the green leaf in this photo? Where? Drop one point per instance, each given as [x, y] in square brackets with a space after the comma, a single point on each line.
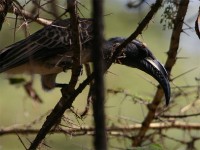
[155, 147]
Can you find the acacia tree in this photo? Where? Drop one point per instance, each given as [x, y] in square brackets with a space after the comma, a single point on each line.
[158, 118]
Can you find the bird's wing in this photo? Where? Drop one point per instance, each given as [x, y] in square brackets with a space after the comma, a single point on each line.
[49, 41]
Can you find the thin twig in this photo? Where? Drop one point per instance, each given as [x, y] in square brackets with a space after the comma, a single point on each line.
[21, 141]
[17, 10]
[180, 116]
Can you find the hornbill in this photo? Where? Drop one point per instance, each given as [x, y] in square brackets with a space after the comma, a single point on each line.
[49, 51]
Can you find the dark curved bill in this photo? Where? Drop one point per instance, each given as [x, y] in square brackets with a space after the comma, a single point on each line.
[157, 71]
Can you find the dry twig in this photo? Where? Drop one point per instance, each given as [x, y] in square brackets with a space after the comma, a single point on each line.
[113, 130]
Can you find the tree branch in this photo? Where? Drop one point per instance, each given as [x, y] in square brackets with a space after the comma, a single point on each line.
[142, 25]
[172, 53]
[18, 11]
[113, 130]
[68, 92]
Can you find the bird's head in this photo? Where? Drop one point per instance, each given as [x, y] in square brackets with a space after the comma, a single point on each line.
[137, 55]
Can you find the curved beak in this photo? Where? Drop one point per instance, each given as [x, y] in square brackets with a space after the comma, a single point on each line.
[154, 68]
[157, 71]
[137, 55]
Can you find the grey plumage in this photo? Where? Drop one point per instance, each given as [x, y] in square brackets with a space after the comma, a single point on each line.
[53, 40]
[49, 52]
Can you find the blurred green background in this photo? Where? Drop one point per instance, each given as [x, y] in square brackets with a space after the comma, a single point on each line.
[16, 108]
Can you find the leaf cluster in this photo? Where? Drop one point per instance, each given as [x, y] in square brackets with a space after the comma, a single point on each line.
[169, 14]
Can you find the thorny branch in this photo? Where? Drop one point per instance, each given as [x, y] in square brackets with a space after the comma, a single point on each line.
[172, 54]
[77, 45]
[14, 7]
[68, 92]
[20, 11]
[113, 130]
[138, 30]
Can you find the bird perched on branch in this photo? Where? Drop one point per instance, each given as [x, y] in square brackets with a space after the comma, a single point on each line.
[49, 51]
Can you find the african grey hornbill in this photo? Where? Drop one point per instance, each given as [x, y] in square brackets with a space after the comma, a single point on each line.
[49, 51]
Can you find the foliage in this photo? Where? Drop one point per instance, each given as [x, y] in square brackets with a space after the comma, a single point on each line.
[169, 14]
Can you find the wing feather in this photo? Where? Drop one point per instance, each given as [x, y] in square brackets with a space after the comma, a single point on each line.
[23, 51]
[49, 41]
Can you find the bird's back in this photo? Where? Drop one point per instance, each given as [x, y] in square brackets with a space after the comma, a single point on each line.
[48, 45]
